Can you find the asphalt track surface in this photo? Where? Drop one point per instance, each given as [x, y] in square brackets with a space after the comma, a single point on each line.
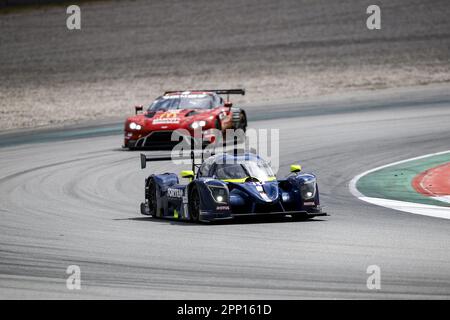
[76, 202]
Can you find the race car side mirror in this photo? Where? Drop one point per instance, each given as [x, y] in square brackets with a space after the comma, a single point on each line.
[188, 174]
[228, 104]
[296, 168]
[138, 108]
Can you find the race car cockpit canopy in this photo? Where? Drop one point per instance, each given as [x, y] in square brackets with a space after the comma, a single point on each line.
[193, 99]
[237, 168]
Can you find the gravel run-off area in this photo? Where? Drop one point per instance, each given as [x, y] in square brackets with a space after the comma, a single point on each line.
[129, 52]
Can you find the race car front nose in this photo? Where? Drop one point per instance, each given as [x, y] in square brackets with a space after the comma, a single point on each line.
[236, 200]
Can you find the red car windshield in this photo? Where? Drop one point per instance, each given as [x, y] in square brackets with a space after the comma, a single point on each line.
[191, 101]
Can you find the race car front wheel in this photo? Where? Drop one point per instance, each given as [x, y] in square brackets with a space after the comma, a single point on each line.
[151, 198]
[218, 125]
[239, 120]
[243, 122]
[194, 205]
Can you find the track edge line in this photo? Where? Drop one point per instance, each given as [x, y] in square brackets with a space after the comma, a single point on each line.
[355, 192]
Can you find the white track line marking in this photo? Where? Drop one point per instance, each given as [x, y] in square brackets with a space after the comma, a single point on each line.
[411, 207]
[442, 198]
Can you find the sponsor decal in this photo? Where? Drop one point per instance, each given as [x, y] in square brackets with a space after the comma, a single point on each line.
[170, 114]
[166, 120]
[185, 207]
[168, 117]
[175, 193]
[186, 95]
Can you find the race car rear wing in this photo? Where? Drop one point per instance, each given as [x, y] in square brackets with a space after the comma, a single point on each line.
[145, 159]
[192, 156]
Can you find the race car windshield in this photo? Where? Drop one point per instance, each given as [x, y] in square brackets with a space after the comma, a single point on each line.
[259, 169]
[194, 101]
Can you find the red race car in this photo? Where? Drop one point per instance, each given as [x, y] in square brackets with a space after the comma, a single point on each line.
[188, 110]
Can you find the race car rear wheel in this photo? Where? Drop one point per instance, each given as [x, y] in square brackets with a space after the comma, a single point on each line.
[151, 198]
[194, 205]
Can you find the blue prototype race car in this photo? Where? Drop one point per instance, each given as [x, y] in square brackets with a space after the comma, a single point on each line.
[228, 186]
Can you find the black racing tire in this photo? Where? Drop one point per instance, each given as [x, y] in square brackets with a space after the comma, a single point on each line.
[243, 122]
[217, 124]
[239, 120]
[151, 198]
[129, 147]
[194, 205]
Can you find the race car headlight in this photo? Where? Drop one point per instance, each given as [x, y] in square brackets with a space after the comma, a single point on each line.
[285, 197]
[134, 126]
[308, 190]
[219, 194]
[198, 124]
